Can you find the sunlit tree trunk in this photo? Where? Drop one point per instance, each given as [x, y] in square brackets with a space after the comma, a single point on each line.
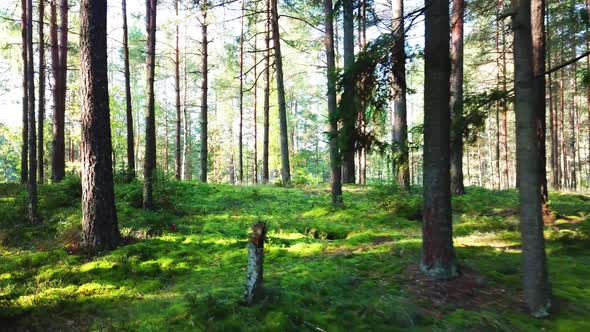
[41, 114]
[241, 123]
[99, 216]
[438, 254]
[266, 105]
[535, 279]
[178, 167]
[150, 123]
[128, 107]
[204, 91]
[24, 157]
[456, 105]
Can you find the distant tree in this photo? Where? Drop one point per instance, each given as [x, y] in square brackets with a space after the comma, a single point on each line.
[204, 90]
[128, 104]
[99, 216]
[438, 254]
[150, 127]
[241, 93]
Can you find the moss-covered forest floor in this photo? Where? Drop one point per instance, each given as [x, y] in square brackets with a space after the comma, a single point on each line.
[334, 270]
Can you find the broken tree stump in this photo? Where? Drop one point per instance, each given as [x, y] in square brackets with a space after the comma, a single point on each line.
[255, 263]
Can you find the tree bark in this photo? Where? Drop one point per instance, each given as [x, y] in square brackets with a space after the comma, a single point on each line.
[254, 274]
[438, 254]
[99, 216]
[552, 114]
[400, 166]
[266, 106]
[59, 62]
[255, 115]
[128, 105]
[241, 124]
[456, 103]
[349, 109]
[32, 176]
[285, 167]
[177, 90]
[150, 127]
[335, 160]
[535, 279]
[204, 89]
[41, 114]
[24, 157]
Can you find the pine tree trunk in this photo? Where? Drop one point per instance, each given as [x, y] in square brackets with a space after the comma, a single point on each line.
[41, 115]
[128, 107]
[552, 115]
[266, 106]
[241, 124]
[204, 92]
[59, 63]
[24, 157]
[285, 167]
[255, 115]
[456, 106]
[150, 126]
[400, 166]
[335, 160]
[349, 109]
[572, 142]
[99, 216]
[32, 176]
[535, 279]
[438, 254]
[177, 90]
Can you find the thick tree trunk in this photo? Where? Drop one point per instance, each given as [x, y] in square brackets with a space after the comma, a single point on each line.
[285, 167]
[241, 123]
[32, 176]
[59, 55]
[24, 157]
[535, 280]
[400, 166]
[349, 109]
[456, 105]
[204, 91]
[99, 216]
[438, 254]
[128, 107]
[41, 115]
[266, 106]
[177, 90]
[150, 126]
[332, 116]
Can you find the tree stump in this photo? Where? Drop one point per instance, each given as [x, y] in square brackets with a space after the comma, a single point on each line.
[255, 263]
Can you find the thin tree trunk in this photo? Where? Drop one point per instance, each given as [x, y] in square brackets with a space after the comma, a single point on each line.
[99, 216]
[41, 115]
[572, 142]
[32, 176]
[128, 107]
[24, 157]
[535, 280]
[241, 125]
[400, 167]
[349, 109]
[456, 105]
[285, 167]
[150, 123]
[438, 254]
[177, 90]
[266, 106]
[255, 115]
[187, 164]
[552, 115]
[204, 91]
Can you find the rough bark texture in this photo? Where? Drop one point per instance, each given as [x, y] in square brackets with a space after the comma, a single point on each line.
[438, 254]
[99, 216]
[456, 105]
[285, 167]
[335, 161]
[59, 55]
[41, 114]
[266, 106]
[204, 89]
[24, 156]
[535, 280]
[254, 274]
[349, 109]
[178, 167]
[401, 169]
[150, 126]
[32, 176]
[128, 107]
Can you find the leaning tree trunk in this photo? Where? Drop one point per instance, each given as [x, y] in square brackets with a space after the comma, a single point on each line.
[285, 167]
[457, 187]
[32, 176]
[332, 116]
[128, 107]
[535, 279]
[401, 169]
[349, 107]
[438, 254]
[178, 167]
[41, 115]
[24, 157]
[150, 126]
[204, 89]
[266, 106]
[99, 216]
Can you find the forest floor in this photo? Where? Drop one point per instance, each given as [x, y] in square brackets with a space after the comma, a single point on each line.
[325, 270]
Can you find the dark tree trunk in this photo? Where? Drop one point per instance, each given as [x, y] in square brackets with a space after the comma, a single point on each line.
[266, 106]
[59, 55]
[128, 107]
[41, 115]
[24, 157]
[255, 115]
[456, 106]
[535, 280]
[349, 109]
[150, 123]
[99, 216]
[285, 167]
[241, 125]
[332, 116]
[204, 89]
[552, 113]
[178, 168]
[401, 169]
[438, 254]
[32, 176]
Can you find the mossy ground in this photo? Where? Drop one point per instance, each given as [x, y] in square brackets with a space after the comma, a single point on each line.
[336, 270]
